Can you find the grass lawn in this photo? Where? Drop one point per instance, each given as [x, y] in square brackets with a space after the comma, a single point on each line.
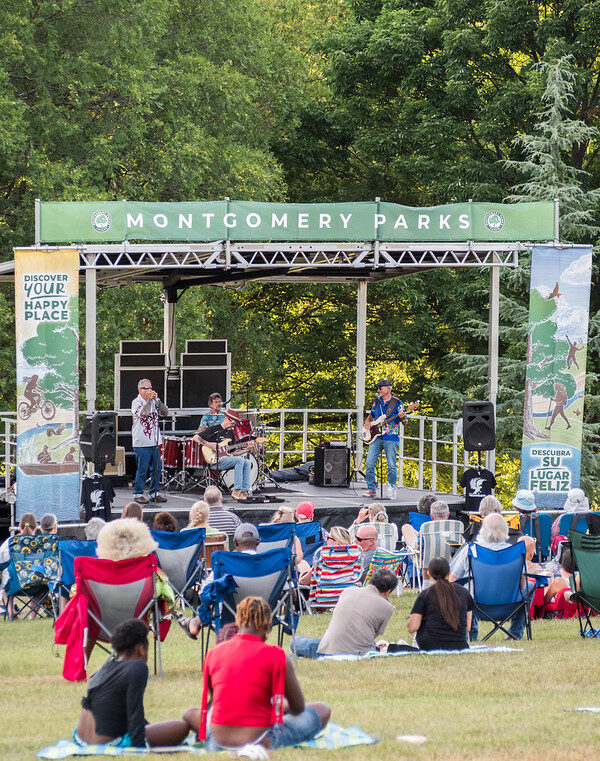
[481, 707]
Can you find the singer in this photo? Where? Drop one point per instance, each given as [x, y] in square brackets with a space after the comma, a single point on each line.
[145, 433]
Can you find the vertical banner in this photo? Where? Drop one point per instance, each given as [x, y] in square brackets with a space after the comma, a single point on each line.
[47, 326]
[555, 378]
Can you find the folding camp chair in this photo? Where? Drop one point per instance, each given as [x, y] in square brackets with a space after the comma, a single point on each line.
[586, 553]
[311, 539]
[392, 561]
[335, 569]
[276, 535]
[437, 539]
[416, 520]
[180, 556]
[69, 550]
[539, 527]
[115, 592]
[496, 577]
[573, 522]
[34, 571]
[269, 575]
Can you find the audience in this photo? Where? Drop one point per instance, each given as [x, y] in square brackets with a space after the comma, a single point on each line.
[489, 504]
[576, 502]
[524, 501]
[125, 538]
[338, 536]
[49, 524]
[563, 581]
[92, 528]
[438, 511]
[27, 527]
[425, 502]
[286, 515]
[133, 510]
[220, 518]
[165, 521]
[441, 614]
[250, 684]
[113, 709]
[361, 615]
[198, 518]
[305, 512]
[366, 537]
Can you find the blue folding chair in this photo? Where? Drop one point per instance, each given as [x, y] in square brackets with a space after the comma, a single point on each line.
[573, 522]
[539, 527]
[276, 535]
[496, 585]
[178, 556]
[311, 538]
[69, 550]
[416, 520]
[269, 575]
[33, 574]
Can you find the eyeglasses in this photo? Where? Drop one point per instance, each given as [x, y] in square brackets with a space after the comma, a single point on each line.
[145, 388]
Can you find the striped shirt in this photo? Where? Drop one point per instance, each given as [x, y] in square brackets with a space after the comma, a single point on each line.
[223, 520]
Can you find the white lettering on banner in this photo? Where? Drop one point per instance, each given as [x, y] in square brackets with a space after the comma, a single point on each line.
[42, 301]
[160, 220]
[401, 222]
[345, 220]
[423, 221]
[187, 221]
[303, 220]
[463, 222]
[379, 220]
[444, 221]
[256, 220]
[279, 221]
[208, 216]
[135, 221]
[325, 220]
[233, 222]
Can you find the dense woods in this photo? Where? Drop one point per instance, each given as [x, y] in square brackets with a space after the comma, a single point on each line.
[419, 102]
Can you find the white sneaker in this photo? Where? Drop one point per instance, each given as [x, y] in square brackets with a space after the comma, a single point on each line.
[390, 491]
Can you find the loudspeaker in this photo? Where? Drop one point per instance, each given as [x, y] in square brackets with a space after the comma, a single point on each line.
[479, 426]
[98, 440]
[332, 466]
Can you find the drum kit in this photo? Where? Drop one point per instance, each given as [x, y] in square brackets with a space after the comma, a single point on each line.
[185, 467]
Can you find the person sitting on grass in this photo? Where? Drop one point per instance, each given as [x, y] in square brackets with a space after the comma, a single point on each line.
[441, 614]
[254, 692]
[360, 615]
[113, 709]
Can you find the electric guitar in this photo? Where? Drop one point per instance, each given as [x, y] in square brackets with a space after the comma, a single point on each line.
[368, 435]
[226, 448]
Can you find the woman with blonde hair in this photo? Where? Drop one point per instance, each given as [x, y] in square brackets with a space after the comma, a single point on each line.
[198, 518]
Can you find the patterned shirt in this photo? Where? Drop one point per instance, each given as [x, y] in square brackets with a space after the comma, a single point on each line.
[390, 430]
[211, 418]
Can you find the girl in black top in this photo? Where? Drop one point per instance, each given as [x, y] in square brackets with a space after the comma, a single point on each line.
[441, 614]
[113, 709]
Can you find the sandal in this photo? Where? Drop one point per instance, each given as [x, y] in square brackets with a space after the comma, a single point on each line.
[185, 625]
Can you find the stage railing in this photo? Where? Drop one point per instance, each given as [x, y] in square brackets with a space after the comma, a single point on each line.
[8, 458]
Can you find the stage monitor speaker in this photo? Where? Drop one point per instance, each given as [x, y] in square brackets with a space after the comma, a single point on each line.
[141, 347]
[98, 440]
[142, 360]
[206, 346]
[126, 383]
[206, 360]
[479, 426]
[332, 466]
[198, 383]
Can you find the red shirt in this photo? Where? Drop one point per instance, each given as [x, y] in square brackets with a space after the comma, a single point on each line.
[247, 678]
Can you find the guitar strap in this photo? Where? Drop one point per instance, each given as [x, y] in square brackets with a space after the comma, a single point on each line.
[391, 405]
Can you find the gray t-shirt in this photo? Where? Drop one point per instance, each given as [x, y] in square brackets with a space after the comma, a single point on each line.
[361, 614]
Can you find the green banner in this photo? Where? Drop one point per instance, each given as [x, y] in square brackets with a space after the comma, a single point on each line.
[104, 221]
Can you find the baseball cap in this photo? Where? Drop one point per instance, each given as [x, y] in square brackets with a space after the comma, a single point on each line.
[383, 382]
[305, 510]
[245, 532]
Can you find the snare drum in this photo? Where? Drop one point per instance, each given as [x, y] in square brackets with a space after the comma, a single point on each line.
[172, 452]
[228, 479]
[244, 430]
[193, 456]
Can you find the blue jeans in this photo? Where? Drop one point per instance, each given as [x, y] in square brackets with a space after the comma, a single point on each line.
[306, 647]
[517, 622]
[146, 459]
[391, 454]
[241, 471]
[294, 730]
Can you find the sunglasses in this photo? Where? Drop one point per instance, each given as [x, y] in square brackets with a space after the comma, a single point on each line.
[364, 538]
[145, 388]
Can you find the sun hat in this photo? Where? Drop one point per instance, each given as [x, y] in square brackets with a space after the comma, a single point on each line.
[525, 501]
[305, 510]
[576, 502]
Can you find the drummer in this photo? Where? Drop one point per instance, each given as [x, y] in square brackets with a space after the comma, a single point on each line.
[215, 416]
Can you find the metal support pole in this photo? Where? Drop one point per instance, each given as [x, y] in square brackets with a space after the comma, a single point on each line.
[556, 222]
[494, 322]
[90, 338]
[169, 326]
[37, 223]
[361, 365]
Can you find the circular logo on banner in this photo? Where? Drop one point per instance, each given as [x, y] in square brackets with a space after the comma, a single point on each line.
[101, 221]
[494, 221]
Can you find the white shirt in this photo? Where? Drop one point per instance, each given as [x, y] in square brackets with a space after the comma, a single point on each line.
[145, 430]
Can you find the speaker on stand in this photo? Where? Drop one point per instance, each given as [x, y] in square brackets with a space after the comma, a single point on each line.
[98, 439]
[479, 427]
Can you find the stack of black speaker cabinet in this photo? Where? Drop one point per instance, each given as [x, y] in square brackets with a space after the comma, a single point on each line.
[204, 368]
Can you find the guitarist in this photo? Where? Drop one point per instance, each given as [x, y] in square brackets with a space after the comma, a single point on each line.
[215, 435]
[388, 442]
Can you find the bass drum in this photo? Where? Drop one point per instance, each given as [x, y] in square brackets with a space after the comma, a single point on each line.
[227, 475]
[172, 452]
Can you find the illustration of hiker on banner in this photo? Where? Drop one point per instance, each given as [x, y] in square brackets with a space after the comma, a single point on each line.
[555, 377]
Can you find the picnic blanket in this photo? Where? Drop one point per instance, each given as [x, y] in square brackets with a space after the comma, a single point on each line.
[376, 654]
[332, 737]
